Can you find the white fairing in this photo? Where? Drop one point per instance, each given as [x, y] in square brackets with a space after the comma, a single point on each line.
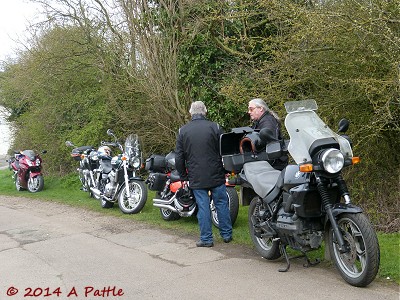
[304, 127]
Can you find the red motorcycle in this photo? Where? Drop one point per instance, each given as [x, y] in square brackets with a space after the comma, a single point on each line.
[27, 168]
[174, 197]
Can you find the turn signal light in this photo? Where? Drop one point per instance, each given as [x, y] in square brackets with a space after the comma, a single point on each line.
[306, 168]
[355, 160]
[124, 158]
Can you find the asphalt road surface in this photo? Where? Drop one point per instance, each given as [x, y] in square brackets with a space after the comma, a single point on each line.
[52, 251]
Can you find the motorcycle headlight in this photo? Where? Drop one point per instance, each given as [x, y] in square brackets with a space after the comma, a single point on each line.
[332, 160]
[38, 162]
[135, 162]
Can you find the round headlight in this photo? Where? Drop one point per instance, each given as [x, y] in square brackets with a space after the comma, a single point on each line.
[135, 162]
[332, 160]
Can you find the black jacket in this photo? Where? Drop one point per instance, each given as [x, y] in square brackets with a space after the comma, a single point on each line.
[197, 152]
[268, 121]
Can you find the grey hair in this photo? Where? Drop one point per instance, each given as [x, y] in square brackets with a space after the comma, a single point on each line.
[198, 108]
[258, 102]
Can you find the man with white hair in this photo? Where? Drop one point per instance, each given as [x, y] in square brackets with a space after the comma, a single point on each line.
[198, 158]
[263, 117]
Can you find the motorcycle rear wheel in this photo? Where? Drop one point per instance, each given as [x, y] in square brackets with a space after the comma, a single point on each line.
[138, 191]
[233, 200]
[35, 184]
[106, 204]
[169, 215]
[265, 246]
[360, 265]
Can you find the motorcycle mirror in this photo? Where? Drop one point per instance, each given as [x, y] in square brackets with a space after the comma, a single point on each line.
[44, 151]
[69, 144]
[343, 125]
[110, 132]
[266, 135]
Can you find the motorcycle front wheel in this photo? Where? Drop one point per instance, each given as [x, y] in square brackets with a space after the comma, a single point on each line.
[35, 184]
[265, 245]
[360, 264]
[233, 200]
[137, 200]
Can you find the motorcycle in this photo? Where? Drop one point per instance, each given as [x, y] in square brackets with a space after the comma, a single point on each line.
[118, 175]
[88, 164]
[174, 197]
[27, 168]
[307, 202]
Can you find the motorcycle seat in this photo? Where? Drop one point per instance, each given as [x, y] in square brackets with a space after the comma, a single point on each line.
[175, 176]
[262, 176]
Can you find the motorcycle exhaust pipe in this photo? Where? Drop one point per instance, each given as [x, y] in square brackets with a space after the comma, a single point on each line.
[170, 207]
[163, 202]
[96, 192]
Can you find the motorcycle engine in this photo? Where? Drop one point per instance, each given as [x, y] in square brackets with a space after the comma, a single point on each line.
[306, 233]
[111, 184]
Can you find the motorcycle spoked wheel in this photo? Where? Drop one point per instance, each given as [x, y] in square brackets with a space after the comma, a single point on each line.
[138, 191]
[360, 265]
[266, 247]
[233, 200]
[167, 214]
[35, 184]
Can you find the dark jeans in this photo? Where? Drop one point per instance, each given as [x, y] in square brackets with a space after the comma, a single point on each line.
[221, 203]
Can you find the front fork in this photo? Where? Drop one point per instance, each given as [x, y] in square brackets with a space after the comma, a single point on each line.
[126, 177]
[323, 191]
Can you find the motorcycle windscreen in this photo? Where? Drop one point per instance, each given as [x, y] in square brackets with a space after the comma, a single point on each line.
[304, 128]
[30, 154]
[133, 146]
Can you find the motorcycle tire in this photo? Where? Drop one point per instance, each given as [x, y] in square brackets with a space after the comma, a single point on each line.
[169, 215]
[18, 185]
[265, 246]
[106, 204]
[360, 265]
[233, 200]
[35, 184]
[138, 191]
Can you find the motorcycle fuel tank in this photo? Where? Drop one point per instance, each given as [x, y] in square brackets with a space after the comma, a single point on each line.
[293, 177]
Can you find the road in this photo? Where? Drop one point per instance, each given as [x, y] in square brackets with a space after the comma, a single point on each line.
[53, 250]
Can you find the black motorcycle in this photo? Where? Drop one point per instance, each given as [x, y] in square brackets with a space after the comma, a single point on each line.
[307, 202]
[88, 165]
[119, 179]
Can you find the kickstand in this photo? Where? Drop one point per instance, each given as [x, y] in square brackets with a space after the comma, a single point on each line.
[283, 250]
[307, 264]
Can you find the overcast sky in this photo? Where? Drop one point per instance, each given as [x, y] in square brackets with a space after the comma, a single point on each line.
[14, 18]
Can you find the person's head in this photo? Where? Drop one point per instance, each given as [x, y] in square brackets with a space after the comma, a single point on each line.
[198, 108]
[257, 107]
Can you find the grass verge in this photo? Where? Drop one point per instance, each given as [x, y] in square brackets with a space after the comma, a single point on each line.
[67, 190]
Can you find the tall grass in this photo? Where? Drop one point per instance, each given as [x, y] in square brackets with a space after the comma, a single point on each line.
[66, 190]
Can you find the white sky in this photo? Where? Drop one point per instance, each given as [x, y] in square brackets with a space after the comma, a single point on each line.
[15, 16]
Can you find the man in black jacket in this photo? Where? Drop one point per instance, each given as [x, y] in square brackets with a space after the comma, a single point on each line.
[198, 159]
[263, 117]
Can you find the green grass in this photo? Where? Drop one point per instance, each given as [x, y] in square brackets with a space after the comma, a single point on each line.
[66, 190]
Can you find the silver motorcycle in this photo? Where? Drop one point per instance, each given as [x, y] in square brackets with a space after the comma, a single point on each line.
[119, 179]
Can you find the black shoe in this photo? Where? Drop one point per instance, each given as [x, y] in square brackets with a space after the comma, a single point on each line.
[204, 244]
[228, 240]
